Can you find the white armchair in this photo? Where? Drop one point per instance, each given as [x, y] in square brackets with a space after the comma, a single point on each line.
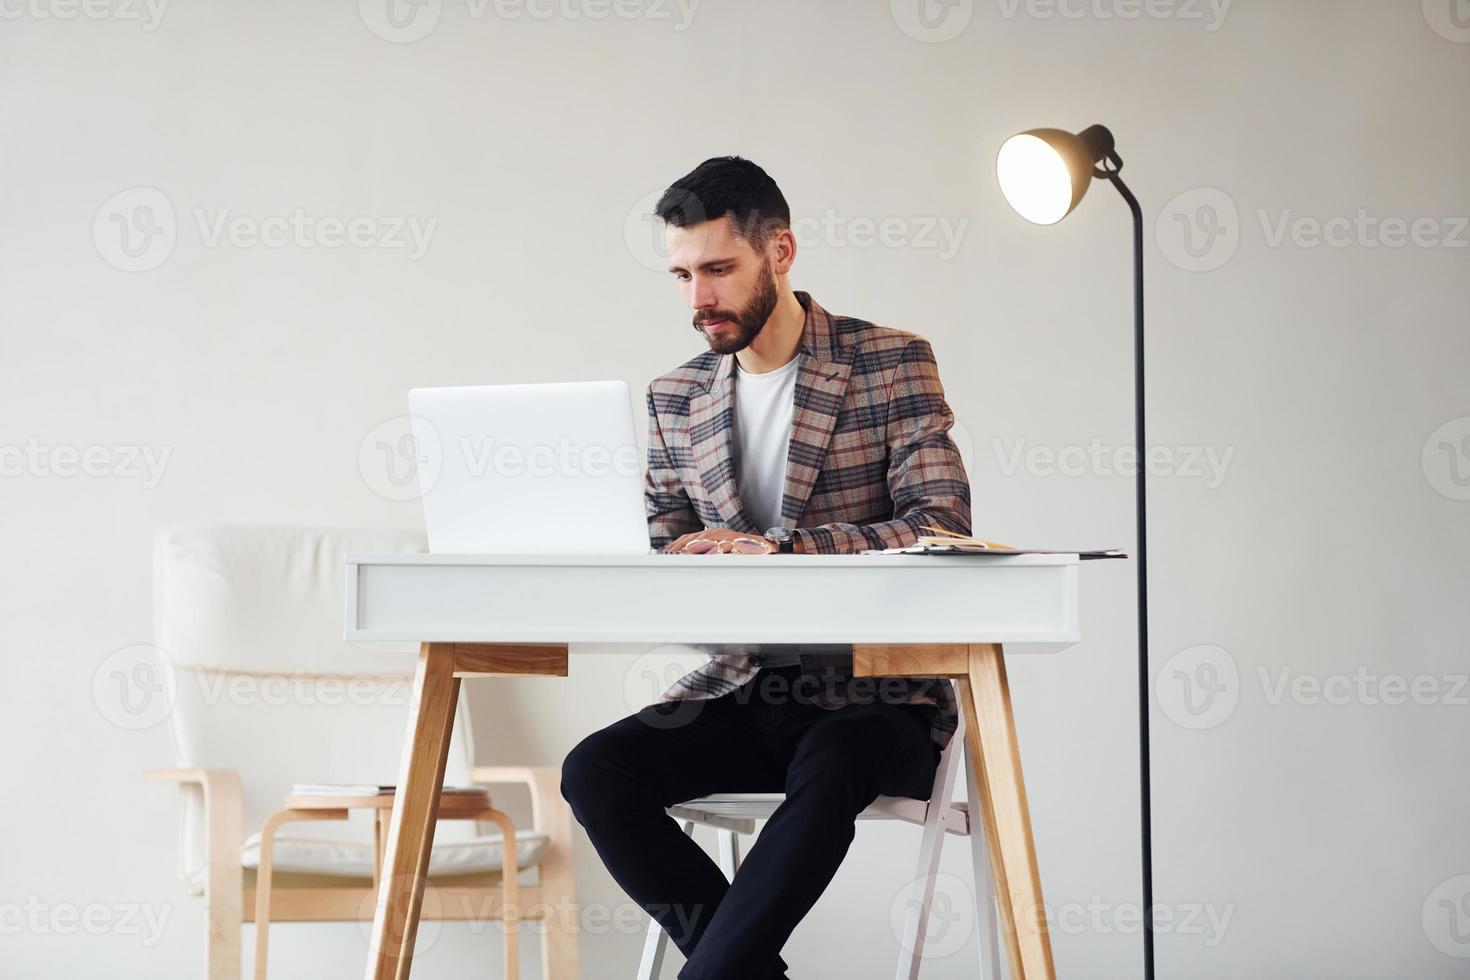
[265, 694]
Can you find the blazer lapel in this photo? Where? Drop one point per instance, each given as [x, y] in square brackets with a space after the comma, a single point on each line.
[821, 386]
[711, 425]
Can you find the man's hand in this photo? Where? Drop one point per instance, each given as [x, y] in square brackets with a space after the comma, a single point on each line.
[721, 541]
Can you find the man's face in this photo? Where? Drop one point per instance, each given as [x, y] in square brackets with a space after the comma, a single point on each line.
[729, 285]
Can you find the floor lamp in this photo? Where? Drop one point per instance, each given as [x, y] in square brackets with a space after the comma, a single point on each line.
[1043, 174]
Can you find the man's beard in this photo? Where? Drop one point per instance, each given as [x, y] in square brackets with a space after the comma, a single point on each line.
[748, 322]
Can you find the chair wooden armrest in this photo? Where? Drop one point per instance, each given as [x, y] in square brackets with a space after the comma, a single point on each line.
[224, 821]
[543, 781]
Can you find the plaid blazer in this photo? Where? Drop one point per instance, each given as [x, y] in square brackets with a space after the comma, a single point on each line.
[870, 461]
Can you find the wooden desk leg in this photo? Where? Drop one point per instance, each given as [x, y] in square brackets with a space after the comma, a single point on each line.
[415, 810]
[990, 742]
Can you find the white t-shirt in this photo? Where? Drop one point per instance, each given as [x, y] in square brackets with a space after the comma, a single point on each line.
[762, 437]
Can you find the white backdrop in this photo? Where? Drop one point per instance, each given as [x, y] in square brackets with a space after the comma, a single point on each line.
[233, 235]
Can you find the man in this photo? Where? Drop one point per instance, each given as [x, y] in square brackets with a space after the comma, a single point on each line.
[800, 432]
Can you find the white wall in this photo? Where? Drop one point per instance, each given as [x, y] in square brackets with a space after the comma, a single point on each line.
[1333, 549]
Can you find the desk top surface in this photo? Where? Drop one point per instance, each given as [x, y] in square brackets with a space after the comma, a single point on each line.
[660, 598]
[724, 562]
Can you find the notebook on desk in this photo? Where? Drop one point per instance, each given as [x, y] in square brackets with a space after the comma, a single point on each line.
[943, 542]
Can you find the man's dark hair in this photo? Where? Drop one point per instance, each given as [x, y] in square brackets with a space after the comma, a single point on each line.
[727, 185]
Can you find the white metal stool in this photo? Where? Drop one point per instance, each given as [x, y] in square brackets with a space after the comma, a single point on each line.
[733, 814]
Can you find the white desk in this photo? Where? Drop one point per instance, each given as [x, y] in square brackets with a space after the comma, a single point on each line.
[906, 615]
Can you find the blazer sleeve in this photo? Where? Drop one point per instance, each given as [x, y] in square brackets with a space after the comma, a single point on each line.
[669, 511]
[926, 476]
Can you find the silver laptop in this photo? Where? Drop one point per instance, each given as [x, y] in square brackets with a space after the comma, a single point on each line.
[530, 469]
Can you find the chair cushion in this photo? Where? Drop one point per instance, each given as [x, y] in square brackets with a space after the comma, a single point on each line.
[354, 859]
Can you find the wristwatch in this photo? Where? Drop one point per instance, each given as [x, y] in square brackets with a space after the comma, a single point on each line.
[784, 538]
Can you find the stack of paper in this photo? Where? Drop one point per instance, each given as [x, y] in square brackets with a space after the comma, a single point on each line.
[943, 542]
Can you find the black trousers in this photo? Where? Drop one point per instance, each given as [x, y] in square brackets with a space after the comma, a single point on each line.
[763, 737]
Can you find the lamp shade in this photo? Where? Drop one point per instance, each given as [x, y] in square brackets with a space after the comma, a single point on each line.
[1043, 173]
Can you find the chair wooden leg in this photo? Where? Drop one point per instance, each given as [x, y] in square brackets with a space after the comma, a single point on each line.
[223, 895]
[263, 875]
[560, 932]
[415, 810]
[510, 902]
[1001, 795]
[657, 941]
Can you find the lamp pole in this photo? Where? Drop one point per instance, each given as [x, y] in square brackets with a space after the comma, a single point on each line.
[1140, 517]
[1043, 174]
